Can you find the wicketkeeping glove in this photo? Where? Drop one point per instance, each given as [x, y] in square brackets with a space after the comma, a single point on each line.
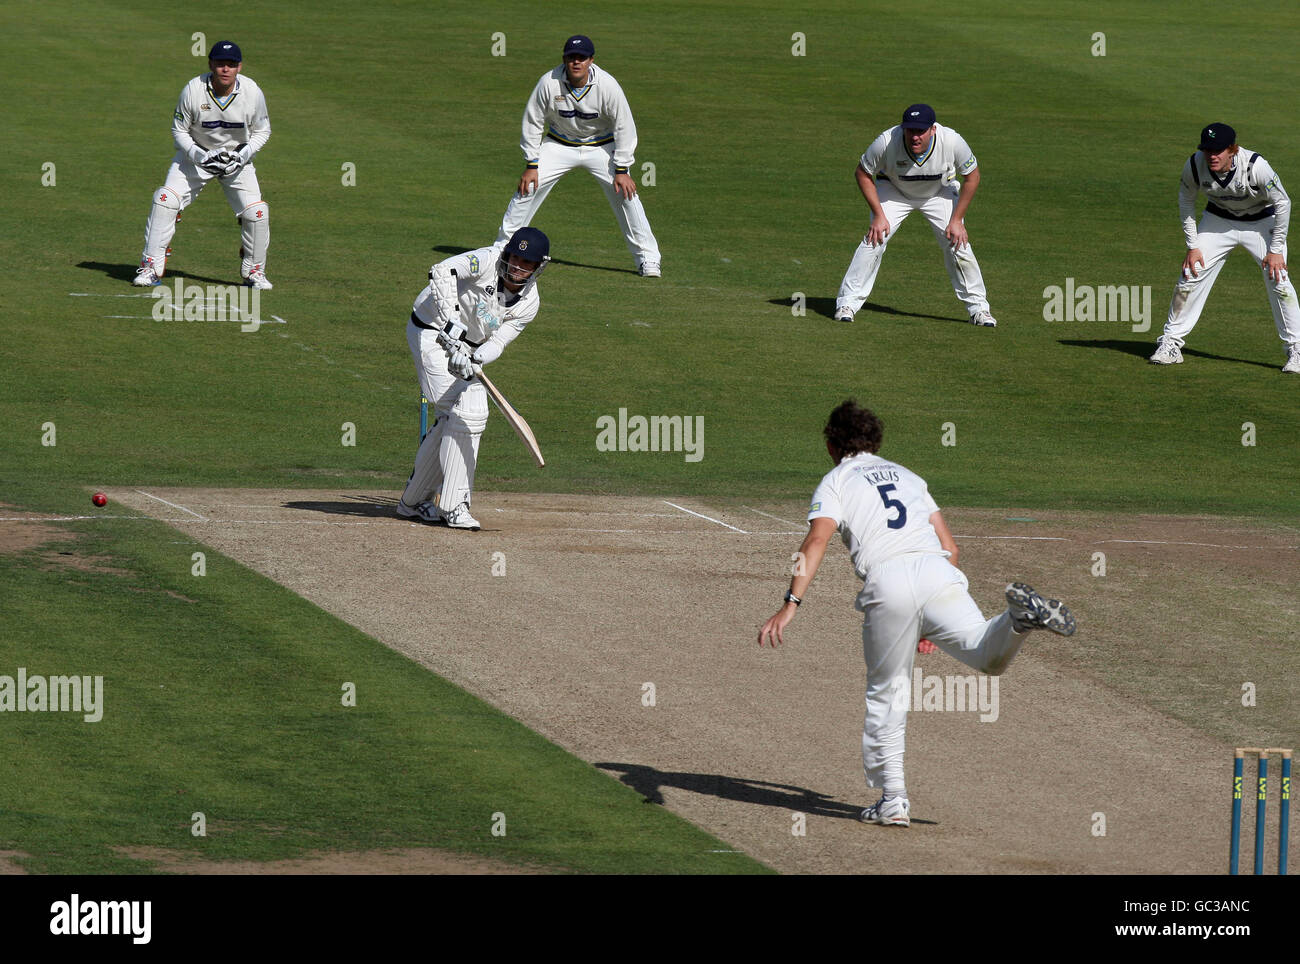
[213, 162]
[233, 163]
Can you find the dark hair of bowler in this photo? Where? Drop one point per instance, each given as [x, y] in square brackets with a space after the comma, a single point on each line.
[852, 429]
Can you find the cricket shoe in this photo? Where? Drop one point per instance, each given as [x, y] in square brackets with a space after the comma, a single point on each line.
[145, 277]
[892, 813]
[1031, 611]
[459, 518]
[649, 269]
[983, 319]
[1293, 362]
[843, 314]
[257, 279]
[1168, 352]
[424, 512]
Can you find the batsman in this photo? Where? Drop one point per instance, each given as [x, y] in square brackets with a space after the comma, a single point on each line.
[475, 305]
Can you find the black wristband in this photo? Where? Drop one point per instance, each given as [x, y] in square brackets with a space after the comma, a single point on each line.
[791, 597]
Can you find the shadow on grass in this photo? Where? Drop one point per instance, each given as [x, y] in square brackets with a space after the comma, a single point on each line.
[826, 308]
[1143, 350]
[126, 272]
[451, 250]
[648, 781]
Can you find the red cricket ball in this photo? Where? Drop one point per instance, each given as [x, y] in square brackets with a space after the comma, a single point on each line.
[99, 498]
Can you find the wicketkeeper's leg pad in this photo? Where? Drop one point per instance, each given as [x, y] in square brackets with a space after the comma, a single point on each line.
[160, 228]
[255, 237]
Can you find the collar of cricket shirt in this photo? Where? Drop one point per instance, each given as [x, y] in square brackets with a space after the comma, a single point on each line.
[222, 102]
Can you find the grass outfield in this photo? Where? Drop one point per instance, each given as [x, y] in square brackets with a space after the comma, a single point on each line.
[753, 202]
[223, 695]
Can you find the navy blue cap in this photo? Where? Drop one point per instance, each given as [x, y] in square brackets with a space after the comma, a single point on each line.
[1216, 137]
[578, 44]
[918, 116]
[225, 50]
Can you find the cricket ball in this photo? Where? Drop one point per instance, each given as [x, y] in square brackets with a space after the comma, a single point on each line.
[99, 498]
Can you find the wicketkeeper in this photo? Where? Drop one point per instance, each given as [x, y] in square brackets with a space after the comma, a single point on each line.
[219, 125]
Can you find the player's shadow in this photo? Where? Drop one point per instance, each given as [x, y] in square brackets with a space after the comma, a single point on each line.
[648, 782]
[126, 272]
[826, 308]
[366, 507]
[1143, 350]
[451, 250]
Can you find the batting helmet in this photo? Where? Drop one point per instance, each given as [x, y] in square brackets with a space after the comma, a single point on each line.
[526, 244]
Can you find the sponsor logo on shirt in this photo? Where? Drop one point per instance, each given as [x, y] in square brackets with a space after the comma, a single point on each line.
[473, 263]
[816, 506]
[485, 314]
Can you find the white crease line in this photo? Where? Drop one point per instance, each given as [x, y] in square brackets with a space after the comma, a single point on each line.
[769, 515]
[238, 321]
[723, 524]
[1022, 538]
[172, 504]
[276, 522]
[1207, 545]
[89, 294]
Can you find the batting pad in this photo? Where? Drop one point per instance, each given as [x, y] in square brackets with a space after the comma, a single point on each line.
[255, 236]
[458, 453]
[427, 474]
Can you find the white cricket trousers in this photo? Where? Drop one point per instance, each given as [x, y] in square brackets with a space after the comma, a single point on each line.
[919, 594]
[1217, 237]
[185, 181]
[556, 160]
[963, 269]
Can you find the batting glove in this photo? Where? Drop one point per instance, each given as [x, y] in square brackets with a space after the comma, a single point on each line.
[459, 363]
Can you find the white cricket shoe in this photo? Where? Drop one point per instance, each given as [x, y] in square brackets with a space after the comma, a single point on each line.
[895, 813]
[1293, 362]
[145, 277]
[459, 518]
[984, 319]
[425, 512]
[1031, 611]
[1168, 352]
[649, 269]
[257, 279]
[843, 314]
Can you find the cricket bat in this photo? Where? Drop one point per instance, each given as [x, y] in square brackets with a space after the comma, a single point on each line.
[514, 418]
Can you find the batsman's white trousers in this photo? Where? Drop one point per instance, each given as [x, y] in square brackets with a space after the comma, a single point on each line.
[903, 599]
[963, 269]
[1217, 237]
[448, 457]
[556, 160]
[185, 181]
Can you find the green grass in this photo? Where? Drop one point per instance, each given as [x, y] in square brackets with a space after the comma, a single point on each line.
[754, 201]
[223, 695]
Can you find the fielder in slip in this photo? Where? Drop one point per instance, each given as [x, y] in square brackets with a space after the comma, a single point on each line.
[902, 550]
[917, 166]
[1247, 207]
[475, 305]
